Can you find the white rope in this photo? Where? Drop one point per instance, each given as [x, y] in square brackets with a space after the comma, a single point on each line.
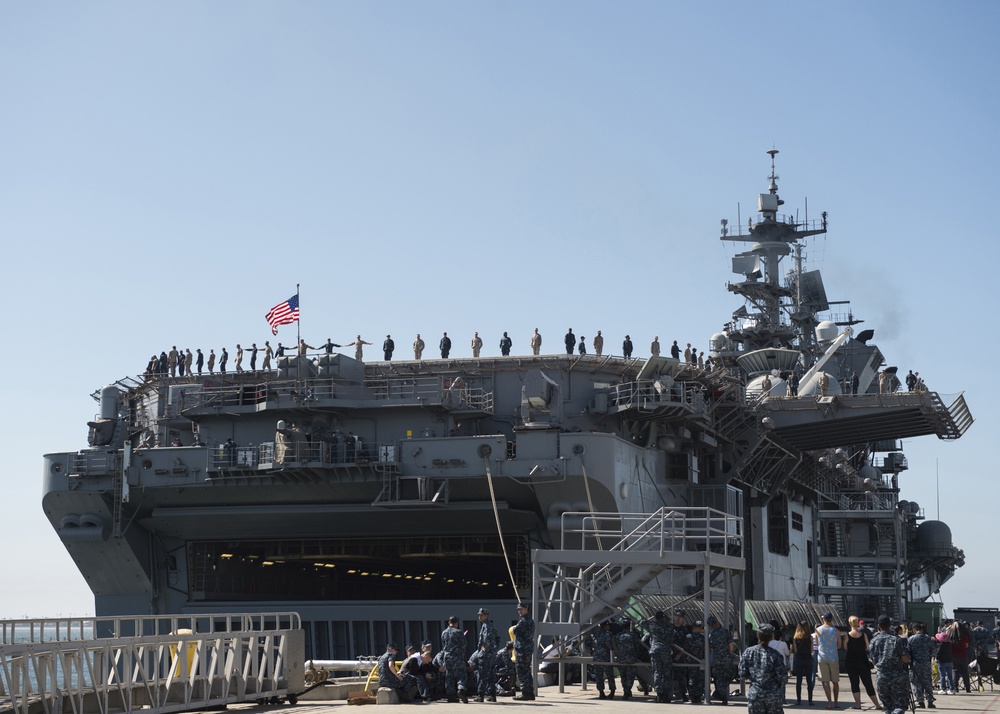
[496, 516]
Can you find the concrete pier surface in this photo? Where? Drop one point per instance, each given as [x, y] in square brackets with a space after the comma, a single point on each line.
[574, 699]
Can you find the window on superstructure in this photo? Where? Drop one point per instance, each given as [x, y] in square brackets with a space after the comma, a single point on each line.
[797, 521]
[777, 525]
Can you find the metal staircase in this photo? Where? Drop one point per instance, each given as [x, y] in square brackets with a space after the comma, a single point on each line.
[951, 421]
[619, 555]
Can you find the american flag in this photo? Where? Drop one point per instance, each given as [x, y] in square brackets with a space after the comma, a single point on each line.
[284, 313]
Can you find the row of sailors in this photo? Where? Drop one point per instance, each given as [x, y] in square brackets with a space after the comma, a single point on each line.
[185, 362]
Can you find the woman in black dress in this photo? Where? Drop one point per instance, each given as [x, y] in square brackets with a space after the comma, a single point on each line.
[859, 669]
[802, 661]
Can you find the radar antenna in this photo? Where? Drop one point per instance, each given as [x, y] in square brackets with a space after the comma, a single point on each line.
[773, 188]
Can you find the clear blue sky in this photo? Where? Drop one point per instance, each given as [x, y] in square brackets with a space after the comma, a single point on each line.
[169, 171]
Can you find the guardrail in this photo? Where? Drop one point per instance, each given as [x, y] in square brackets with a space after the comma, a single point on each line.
[159, 663]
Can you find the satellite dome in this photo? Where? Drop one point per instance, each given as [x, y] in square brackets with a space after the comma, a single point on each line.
[934, 538]
[870, 472]
[719, 342]
[827, 331]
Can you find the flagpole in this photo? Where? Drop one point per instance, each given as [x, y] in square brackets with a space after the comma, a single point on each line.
[298, 323]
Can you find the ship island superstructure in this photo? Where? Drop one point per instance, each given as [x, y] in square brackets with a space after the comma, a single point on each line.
[377, 498]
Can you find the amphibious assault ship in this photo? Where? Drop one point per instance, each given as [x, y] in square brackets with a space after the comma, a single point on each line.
[377, 498]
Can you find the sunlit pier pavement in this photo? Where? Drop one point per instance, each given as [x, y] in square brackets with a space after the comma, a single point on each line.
[574, 699]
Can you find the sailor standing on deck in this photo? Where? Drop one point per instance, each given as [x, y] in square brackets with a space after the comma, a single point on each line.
[598, 344]
[489, 641]
[536, 342]
[505, 343]
[723, 657]
[627, 647]
[268, 353]
[453, 646]
[387, 347]
[765, 667]
[661, 655]
[570, 341]
[445, 346]
[524, 649]
[654, 347]
[891, 655]
[418, 347]
[627, 347]
[359, 348]
[477, 344]
[211, 361]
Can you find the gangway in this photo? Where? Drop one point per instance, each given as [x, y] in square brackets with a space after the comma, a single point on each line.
[166, 663]
[610, 563]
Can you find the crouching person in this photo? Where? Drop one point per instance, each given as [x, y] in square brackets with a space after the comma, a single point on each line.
[389, 676]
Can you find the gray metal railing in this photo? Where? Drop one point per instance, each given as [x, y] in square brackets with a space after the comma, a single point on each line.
[157, 663]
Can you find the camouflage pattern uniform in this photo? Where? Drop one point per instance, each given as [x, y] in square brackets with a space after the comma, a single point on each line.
[765, 667]
[475, 673]
[504, 668]
[723, 662]
[681, 673]
[980, 640]
[524, 649]
[600, 650]
[695, 644]
[387, 679]
[661, 657]
[453, 646]
[488, 642]
[891, 683]
[921, 650]
[627, 648]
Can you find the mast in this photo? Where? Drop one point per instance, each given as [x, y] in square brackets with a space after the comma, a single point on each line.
[772, 237]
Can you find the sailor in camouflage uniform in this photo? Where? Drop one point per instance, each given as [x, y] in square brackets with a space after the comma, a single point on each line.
[627, 649]
[922, 648]
[724, 662]
[504, 672]
[890, 654]
[524, 650]
[661, 655]
[389, 676]
[453, 646]
[601, 644]
[681, 631]
[488, 643]
[765, 668]
[980, 640]
[694, 643]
